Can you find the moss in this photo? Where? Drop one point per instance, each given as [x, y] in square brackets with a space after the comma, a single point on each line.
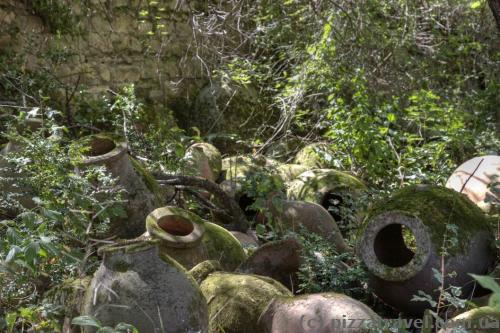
[241, 166]
[313, 185]
[436, 207]
[289, 172]
[128, 246]
[235, 301]
[69, 295]
[223, 246]
[483, 319]
[316, 155]
[204, 269]
[149, 180]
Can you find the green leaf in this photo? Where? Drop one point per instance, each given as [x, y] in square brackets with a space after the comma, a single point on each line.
[487, 282]
[494, 301]
[106, 329]
[86, 321]
[476, 4]
[12, 253]
[126, 328]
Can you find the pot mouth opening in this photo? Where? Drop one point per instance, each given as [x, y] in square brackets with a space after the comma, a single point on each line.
[245, 202]
[176, 225]
[395, 245]
[100, 146]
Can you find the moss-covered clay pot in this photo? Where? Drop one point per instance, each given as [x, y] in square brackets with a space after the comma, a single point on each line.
[248, 241]
[402, 240]
[316, 155]
[190, 240]
[143, 193]
[484, 319]
[336, 191]
[289, 172]
[318, 313]
[235, 301]
[240, 167]
[203, 160]
[475, 178]
[137, 285]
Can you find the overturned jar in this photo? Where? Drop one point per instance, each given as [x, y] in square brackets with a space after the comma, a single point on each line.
[235, 301]
[319, 313]
[405, 236]
[143, 193]
[189, 239]
[138, 286]
[204, 160]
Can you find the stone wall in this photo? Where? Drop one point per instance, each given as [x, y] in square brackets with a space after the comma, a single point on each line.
[109, 44]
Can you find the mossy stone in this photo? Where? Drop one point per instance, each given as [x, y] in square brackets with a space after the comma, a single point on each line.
[235, 301]
[240, 167]
[316, 155]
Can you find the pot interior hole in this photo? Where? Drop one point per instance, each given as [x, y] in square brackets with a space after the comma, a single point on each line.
[176, 225]
[245, 202]
[101, 146]
[395, 245]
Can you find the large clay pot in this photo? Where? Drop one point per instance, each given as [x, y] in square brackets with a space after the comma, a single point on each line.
[203, 160]
[279, 260]
[318, 313]
[402, 241]
[137, 285]
[316, 155]
[332, 189]
[237, 168]
[235, 301]
[300, 216]
[143, 193]
[190, 240]
[475, 178]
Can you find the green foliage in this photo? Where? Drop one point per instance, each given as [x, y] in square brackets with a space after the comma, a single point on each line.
[55, 14]
[324, 269]
[93, 322]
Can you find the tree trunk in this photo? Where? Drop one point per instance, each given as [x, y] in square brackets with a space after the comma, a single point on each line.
[495, 8]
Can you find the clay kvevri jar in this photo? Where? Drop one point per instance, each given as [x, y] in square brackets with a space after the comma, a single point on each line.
[143, 193]
[189, 239]
[318, 313]
[479, 320]
[475, 178]
[235, 301]
[203, 160]
[332, 189]
[402, 241]
[137, 285]
[316, 155]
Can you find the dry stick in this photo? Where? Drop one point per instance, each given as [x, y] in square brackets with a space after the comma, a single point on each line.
[471, 175]
[240, 221]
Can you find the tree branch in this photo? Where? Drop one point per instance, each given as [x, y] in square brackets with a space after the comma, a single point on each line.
[240, 222]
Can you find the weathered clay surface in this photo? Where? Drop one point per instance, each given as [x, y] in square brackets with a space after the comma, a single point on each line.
[235, 301]
[142, 191]
[203, 160]
[279, 260]
[318, 313]
[190, 240]
[137, 285]
[289, 172]
[246, 240]
[399, 269]
[475, 177]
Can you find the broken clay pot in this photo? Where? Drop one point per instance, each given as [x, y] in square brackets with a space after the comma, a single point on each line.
[203, 160]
